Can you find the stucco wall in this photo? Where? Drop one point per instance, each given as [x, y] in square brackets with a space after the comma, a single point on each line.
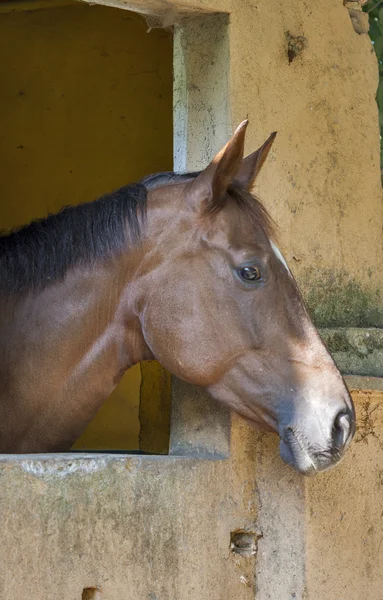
[344, 514]
[322, 182]
[138, 528]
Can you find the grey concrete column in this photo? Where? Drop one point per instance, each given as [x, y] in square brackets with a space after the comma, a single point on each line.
[199, 426]
[201, 90]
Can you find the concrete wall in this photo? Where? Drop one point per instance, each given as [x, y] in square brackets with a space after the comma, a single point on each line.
[86, 106]
[344, 515]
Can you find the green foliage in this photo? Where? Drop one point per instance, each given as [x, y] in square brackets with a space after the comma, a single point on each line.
[375, 13]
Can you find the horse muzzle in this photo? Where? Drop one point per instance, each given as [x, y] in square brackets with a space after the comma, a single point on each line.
[320, 444]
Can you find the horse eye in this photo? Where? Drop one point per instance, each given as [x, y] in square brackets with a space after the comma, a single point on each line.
[250, 274]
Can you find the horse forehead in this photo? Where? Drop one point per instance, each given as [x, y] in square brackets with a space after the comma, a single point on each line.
[248, 239]
[250, 236]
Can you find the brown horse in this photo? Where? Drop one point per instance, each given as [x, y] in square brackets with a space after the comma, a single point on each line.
[181, 268]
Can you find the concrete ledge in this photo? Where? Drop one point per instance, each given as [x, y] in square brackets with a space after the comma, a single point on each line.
[169, 12]
[355, 382]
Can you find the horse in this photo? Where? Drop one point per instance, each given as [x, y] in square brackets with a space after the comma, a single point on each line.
[181, 268]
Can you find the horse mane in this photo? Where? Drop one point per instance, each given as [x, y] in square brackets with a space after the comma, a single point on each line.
[35, 255]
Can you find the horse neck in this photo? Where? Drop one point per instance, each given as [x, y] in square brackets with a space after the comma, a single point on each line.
[91, 311]
[64, 348]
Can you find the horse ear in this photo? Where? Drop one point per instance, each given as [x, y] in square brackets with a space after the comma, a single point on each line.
[208, 191]
[252, 164]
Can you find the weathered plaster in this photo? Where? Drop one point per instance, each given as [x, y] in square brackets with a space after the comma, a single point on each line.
[315, 184]
[334, 299]
[201, 116]
[134, 527]
[356, 351]
[344, 509]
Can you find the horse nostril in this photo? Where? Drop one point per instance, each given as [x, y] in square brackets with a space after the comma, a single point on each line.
[342, 429]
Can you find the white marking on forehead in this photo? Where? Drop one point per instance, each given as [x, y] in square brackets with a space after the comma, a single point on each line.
[280, 256]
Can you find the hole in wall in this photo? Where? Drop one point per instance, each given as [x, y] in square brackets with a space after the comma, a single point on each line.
[243, 542]
[91, 593]
[296, 45]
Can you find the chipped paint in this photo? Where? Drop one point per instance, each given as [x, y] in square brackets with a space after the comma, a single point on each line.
[51, 469]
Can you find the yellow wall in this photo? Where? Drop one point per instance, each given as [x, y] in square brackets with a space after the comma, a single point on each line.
[85, 107]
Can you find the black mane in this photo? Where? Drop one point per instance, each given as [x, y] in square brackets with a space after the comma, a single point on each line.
[43, 251]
